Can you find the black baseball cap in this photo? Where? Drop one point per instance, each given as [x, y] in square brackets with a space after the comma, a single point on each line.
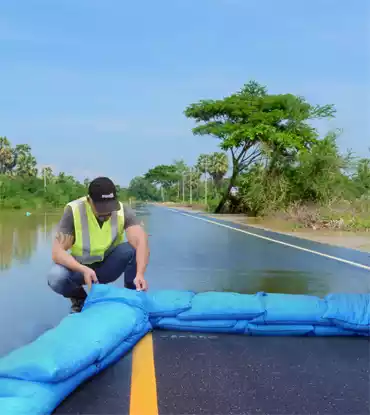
[103, 193]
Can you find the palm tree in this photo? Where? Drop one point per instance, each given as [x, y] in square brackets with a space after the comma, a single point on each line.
[203, 163]
[8, 156]
[218, 167]
[26, 162]
[47, 172]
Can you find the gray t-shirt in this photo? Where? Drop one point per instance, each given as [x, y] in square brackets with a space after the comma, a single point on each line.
[67, 227]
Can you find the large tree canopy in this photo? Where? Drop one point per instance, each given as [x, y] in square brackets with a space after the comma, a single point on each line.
[252, 121]
[143, 189]
[164, 175]
[18, 160]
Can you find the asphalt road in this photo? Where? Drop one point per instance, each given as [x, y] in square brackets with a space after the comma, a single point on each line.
[217, 374]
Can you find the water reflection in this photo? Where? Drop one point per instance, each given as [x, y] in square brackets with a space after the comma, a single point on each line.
[25, 259]
[20, 236]
[246, 281]
[188, 254]
[276, 281]
[194, 255]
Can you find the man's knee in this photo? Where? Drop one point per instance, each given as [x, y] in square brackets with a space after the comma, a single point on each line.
[126, 252]
[58, 278]
[123, 256]
[121, 260]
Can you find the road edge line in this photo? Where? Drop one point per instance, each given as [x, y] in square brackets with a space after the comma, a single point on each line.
[143, 391]
[224, 225]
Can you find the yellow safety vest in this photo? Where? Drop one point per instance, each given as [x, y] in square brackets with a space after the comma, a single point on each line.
[92, 242]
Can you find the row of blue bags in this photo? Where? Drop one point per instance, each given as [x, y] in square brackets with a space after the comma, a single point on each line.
[35, 378]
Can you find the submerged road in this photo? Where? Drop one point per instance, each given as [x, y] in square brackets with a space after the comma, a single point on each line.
[186, 373]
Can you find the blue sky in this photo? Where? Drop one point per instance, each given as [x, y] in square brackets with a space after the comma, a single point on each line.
[99, 87]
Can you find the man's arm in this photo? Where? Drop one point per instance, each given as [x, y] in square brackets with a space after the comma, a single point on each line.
[63, 241]
[138, 238]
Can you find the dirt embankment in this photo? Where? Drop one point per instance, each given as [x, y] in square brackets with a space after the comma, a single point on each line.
[347, 239]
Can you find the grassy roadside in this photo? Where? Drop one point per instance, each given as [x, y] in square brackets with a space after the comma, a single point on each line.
[353, 239]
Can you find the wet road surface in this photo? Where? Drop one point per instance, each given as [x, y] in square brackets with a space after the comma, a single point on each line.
[229, 374]
[237, 375]
[210, 374]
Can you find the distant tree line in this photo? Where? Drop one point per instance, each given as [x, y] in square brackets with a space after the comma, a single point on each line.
[22, 185]
[271, 160]
[181, 182]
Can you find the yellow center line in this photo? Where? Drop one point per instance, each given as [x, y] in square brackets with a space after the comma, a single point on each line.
[143, 397]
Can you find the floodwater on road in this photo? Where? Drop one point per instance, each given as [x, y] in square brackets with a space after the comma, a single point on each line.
[186, 254]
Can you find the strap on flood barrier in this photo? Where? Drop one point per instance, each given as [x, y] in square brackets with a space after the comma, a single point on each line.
[35, 378]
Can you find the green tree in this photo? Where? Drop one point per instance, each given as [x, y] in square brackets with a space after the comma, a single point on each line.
[215, 164]
[8, 157]
[47, 173]
[142, 189]
[180, 167]
[25, 161]
[361, 178]
[21, 187]
[203, 163]
[219, 166]
[251, 118]
[318, 176]
[192, 179]
[163, 175]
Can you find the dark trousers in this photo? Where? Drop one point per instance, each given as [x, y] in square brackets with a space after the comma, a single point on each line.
[70, 284]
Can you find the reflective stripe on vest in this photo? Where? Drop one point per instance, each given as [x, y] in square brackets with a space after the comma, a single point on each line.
[86, 251]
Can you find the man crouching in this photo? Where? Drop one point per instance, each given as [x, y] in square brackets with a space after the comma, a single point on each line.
[93, 229]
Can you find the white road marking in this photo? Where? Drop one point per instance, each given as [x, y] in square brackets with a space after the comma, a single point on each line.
[266, 238]
[189, 336]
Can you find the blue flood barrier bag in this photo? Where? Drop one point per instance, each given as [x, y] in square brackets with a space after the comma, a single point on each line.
[279, 329]
[293, 309]
[38, 398]
[123, 348]
[224, 306]
[79, 340]
[16, 405]
[25, 397]
[104, 293]
[111, 328]
[331, 331]
[113, 320]
[349, 311]
[206, 326]
[58, 391]
[167, 303]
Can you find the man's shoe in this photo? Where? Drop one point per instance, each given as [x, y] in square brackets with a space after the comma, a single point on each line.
[77, 305]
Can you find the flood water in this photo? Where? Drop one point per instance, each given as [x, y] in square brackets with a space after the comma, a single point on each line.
[185, 254]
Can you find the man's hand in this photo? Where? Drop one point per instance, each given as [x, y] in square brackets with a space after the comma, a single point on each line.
[140, 282]
[89, 276]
